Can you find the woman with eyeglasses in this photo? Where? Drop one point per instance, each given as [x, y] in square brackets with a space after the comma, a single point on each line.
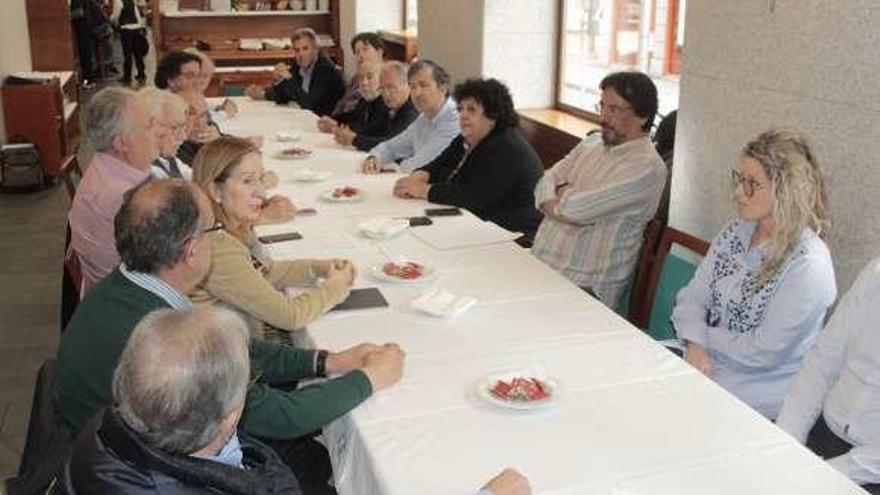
[760, 296]
[243, 276]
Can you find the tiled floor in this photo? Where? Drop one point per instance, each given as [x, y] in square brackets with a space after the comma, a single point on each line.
[31, 244]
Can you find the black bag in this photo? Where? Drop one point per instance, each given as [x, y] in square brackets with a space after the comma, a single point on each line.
[140, 43]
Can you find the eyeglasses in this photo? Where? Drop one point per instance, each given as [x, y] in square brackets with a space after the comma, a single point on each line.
[748, 184]
[214, 228]
[601, 107]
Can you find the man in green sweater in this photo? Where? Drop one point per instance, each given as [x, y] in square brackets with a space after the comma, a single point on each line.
[162, 235]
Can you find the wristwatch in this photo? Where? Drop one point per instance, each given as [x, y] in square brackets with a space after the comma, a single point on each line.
[321, 363]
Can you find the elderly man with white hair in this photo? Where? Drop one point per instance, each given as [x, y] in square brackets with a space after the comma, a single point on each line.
[178, 393]
[124, 134]
[170, 112]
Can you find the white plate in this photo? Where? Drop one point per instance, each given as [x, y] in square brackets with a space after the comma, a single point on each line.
[380, 274]
[485, 385]
[311, 176]
[280, 155]
[288, 137]
[328, 196]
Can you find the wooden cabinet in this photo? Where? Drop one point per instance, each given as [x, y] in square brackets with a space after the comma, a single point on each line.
[51, 35]
[44, 112]
[221, 32]
[401, 45]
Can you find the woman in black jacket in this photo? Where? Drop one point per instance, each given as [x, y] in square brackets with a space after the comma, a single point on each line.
[490, 169]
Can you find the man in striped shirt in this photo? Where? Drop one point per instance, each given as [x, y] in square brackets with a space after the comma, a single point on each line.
[598, 199]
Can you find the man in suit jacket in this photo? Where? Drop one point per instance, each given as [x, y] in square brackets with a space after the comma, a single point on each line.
[316, 84]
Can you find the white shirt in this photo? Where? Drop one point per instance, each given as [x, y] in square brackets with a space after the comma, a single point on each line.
[840, 378]
[161, 173]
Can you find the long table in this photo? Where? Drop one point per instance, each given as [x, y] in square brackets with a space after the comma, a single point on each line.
[629, 417]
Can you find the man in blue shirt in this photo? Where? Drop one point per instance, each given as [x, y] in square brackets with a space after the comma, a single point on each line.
[430, 133]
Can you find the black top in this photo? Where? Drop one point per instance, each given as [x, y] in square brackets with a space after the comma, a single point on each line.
[325, 88]
[365, 114]
[385, 127]
[496, 182]
[109, 457]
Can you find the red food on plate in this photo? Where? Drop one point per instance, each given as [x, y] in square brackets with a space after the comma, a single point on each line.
[406, 270]
[296, 151]
[345, 192]
[520, 389]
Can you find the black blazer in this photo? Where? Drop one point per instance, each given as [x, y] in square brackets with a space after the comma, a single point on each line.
[496, 182]
[386, 127]
[364, 114]
[325, 88]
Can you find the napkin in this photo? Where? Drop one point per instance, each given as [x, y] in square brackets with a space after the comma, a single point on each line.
[382, 227]
[441, 302]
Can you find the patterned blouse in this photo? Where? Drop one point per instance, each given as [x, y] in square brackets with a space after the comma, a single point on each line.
[756, 333]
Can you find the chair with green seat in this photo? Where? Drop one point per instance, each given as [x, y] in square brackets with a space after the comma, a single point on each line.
[668, 274]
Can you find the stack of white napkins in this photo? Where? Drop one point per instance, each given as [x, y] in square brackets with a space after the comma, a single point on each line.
[441, 302]
[383, 227]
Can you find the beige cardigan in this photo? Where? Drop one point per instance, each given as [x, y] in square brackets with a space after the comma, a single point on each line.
[258, 293]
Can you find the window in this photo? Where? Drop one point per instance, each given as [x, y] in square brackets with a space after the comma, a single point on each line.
[603, 36]
[410, 14]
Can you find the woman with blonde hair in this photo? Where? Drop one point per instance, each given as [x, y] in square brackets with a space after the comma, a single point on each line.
[759, 297]
[243, 276]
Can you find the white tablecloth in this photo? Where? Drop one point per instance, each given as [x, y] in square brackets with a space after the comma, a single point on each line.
[630, 418]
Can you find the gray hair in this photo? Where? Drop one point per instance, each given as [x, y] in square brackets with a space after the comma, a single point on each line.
[438, 73]
[399, 69]
[160, 101]
[307, 33]
[107, 116]
[180, 375]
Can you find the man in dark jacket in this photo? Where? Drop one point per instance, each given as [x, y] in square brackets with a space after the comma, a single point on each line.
[315, 85]
[178, 392]
[398, 112]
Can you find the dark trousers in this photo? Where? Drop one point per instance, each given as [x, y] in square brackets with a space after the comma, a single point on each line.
[309, 461]
[826, 445]
[85, 50]
[129, 37]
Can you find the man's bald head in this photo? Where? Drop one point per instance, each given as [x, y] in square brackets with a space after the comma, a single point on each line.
[156, 220]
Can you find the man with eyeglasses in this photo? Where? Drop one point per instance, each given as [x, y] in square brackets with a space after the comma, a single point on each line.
[598, 199]
[398, 114]
[170, 111]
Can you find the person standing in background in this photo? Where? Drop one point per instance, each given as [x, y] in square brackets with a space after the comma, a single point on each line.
[132, 32]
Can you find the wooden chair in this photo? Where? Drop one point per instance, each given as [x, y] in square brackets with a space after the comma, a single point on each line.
[71, 282]
[629, 306]
[656, 297]
[71, 174]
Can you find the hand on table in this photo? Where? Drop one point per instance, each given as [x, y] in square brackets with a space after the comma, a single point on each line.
[276, 209]
[385, 366]
[371, 165]
[344, 135]
[350, 359]
[509, 482]
[229, 107]
[255, 92]
[269, 179]
[327, 124]
[698, 357]
[414, 186]
[257, 141]
[336, 270]
[281, 71]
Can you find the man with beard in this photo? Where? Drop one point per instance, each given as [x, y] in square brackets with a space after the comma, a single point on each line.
[598, 199]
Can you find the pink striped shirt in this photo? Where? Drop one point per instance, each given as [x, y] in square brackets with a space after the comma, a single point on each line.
[614, 191]
[98, 199]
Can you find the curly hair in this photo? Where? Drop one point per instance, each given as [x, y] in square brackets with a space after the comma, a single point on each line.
[799, 193]
[169, 67]
[493, 96]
